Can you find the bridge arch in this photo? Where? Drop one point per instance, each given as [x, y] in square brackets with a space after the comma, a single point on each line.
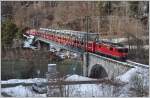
[98, 71]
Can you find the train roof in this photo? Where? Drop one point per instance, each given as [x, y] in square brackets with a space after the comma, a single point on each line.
[70, 32]
[117, 45]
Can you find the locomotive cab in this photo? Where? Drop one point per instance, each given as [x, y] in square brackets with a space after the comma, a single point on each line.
[123, 50]
[112, 50]
[123, 53]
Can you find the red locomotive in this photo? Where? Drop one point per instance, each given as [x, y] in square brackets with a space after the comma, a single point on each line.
[78, 39]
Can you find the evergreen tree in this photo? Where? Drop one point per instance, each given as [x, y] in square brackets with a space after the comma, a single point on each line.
[9, 31]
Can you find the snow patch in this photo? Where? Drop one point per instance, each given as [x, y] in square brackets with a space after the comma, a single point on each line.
[77, 78]
[87, 90]
[127, 76]
[141, 72]
[21, 91]
[137, 78]
[28, 41]
[13, 81]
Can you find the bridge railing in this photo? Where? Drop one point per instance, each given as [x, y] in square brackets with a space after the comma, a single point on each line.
[138, 64]
[127, 63]
[112, 60]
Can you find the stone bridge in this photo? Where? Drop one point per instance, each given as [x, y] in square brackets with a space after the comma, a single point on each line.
[103, 66]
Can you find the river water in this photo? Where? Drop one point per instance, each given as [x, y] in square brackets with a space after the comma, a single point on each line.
[36, 66]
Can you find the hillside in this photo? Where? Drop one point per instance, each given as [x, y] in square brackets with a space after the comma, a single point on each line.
[105, 17]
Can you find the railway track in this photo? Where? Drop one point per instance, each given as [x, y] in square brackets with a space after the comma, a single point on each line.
[137, 64]
[127, 62]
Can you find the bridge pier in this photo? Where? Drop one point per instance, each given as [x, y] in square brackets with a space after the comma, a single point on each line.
[38, 44]
[85, 65]
[42, 45]
[49, 46]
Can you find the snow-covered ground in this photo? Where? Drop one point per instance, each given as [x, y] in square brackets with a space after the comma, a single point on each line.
[77, 78]
[21, 91]
[137, 78]
[35, 80]
[132, 78]
[87, 90]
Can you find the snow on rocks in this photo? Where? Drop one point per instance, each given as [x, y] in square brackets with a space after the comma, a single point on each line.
[133, 72]
[136, 78]
[28, 42]
[21, 91]
[141, 78]
[13, 81]
[127, 76]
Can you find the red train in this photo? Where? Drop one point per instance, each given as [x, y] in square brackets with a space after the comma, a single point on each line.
[77, 39]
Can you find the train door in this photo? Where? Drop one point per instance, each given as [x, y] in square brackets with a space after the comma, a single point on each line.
[63, 39]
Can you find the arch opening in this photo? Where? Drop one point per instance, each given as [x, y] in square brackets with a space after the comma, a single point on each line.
[98, 72]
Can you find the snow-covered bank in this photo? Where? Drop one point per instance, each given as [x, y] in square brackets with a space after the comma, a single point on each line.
[28, 42]
[132, 77]
[142, 73]
[127, 76]
[87, 90]
[135, 78]
[13, 81]
[77, 78]
[21, 91]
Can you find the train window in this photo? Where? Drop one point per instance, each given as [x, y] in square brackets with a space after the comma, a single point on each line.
[111, 48]
[82, 43]
[120, 50]
[123, 50]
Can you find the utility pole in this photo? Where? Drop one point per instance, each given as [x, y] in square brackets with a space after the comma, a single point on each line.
[98, 24]
[86, 43]
[85, 54]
